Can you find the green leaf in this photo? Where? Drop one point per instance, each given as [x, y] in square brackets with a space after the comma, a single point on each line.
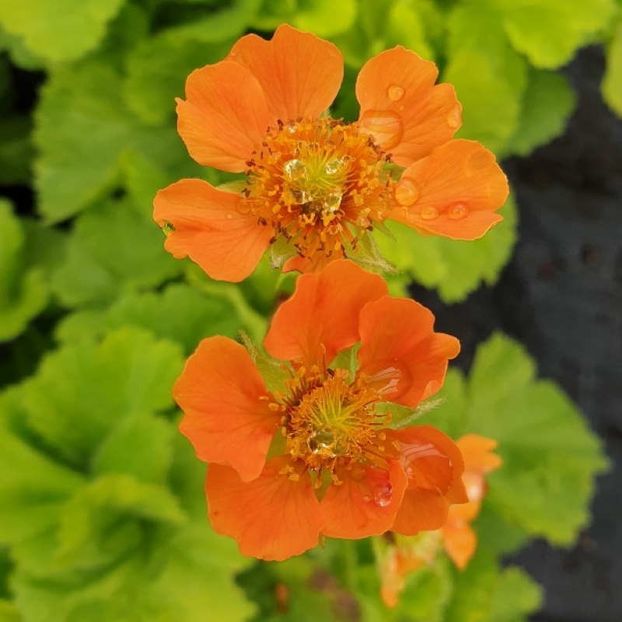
[489, 76]
[612, 83]
[61, 30]
[548, 103]
[381, 24]
[128, 372]
[15, 149]
[9, 612]
[484, 592]
[140, 445]
[102, 520]
[454, 267]
[549, 31]
[550, 456]
[179, 313]
[32, 486]
[83, 146]
[516, 596]
[112, 251]
[185, 577]
[150, 88]
[322, 17]
[19, 53]
[23, 289]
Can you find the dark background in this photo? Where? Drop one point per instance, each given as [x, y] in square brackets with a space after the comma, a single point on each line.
[561, 297]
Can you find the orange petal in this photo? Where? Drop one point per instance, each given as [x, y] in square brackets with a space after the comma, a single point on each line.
[322, 316]
[209, 227]
[478, 453]
[300, 73]
[460, 542]
[454, 192]
[402, 109]
[273, 517]
[400, 352]
[365, 503]
[226, 415]
[224, 117]
[434, 467]
[421, 510]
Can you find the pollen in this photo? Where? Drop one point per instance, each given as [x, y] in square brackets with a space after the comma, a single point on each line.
[320, 184]
[330, 421]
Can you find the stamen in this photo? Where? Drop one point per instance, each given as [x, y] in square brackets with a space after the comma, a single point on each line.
[320, 184]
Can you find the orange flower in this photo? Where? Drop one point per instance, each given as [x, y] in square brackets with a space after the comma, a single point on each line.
[459, 539]
[403, 556]
[315, 186]
[314, 453]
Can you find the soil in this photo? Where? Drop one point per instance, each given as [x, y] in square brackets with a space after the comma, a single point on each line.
[561, 296]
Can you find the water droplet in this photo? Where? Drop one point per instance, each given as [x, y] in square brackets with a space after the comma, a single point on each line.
[384, 127]
[332, 202]
[322, 441]
[395, 93]
[457, 211]
[295, 170]
[229, 216]
[428, 213]
[383, 494]
[406, 192]
[454, 118]
[334, 166]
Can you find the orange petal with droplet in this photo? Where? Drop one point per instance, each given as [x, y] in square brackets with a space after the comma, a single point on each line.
[434, 466]
[400, 353]
[460, 188]
[365, 503]
[402, 108]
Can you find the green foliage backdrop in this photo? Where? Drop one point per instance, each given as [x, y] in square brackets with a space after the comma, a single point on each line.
[102, 515]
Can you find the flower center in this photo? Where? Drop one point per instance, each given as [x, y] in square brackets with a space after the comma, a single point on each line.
[320, 184]
[329, 421]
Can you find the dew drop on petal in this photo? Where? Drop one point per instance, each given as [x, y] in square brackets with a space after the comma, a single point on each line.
[457, 211]
[454, 118]
[406, 193]
[428, 213]
[385, 127]
[395, 93]
[383, 494]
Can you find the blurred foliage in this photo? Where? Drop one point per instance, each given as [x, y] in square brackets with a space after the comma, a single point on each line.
[101, 503]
